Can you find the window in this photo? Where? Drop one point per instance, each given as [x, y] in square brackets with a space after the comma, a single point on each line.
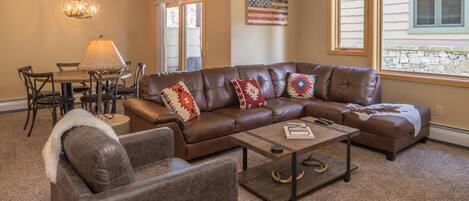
[439, 58]
[184, 36]
[349, 27]
[438, 16]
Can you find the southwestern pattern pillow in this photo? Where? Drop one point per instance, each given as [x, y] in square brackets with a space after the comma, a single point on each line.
[301, 86]
[179, 99]
[249, 93]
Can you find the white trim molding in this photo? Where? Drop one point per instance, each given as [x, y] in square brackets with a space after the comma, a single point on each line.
[12, 105]
[449, 135]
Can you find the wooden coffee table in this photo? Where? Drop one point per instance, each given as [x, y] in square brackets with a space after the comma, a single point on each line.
[259, 179]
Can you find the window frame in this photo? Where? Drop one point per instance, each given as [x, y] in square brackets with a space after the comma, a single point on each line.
[181, 35]
[438, 27]
[375, 59]
[334, 31]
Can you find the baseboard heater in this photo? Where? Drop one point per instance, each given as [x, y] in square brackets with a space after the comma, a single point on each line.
[13, 105]
[450, 135]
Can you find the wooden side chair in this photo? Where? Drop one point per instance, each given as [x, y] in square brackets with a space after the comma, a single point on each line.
[22, 76]
[81, 88]
[105, 91]
[39, 98]
[132, 90]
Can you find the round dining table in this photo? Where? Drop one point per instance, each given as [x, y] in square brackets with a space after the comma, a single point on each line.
[67, 78]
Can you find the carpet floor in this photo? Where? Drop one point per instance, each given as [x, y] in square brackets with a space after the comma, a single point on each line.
[430, 171]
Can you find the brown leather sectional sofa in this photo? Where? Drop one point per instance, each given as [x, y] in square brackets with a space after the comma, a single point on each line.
[221, 116]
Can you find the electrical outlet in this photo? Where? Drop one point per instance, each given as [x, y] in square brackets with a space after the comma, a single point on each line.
[439, 110]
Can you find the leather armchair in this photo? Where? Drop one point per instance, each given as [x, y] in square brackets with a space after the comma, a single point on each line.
[139, 167]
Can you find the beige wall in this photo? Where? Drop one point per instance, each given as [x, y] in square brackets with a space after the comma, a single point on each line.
[312, 47]
[35, 32]
[258, 44]
[218, 36]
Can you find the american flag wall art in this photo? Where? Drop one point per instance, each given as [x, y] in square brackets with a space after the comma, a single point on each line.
[267, 12]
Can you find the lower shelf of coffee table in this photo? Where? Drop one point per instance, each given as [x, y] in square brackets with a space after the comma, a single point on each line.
[259, 181]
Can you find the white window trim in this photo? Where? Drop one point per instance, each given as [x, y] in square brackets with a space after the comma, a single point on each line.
[438, 30]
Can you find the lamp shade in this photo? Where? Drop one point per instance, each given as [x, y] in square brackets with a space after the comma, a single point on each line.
[102, 54]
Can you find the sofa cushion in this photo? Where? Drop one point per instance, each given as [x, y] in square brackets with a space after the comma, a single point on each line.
[249, 93]
[178, 98]
[219, 91]
[283, 110]
[306, 68]
[353, 85]
[279, 75]
[101, 161]
[247, 119]
[387, 126]
[303, 102]
[326, 109]
[208, 126]
[161, 167]
[323, 75]
[261, 74]
[152, 85]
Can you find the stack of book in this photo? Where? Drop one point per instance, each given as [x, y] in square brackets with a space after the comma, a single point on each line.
[298, 131]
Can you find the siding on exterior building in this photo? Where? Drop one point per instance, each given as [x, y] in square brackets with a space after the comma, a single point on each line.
[351, 23]
[435, 53]
[396, 15]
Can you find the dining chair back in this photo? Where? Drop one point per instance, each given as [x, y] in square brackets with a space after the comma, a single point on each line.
[36, 89]
[38, 97]
[78, 88]
[139, 73]
[65, 66]
[21, 74]
[134, 88]
[105, 90]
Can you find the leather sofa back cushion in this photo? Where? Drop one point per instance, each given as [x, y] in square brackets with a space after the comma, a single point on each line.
[218, 88]
[353, 85]
[101, 162]
[323, 75]
[279, 75]
[152, 85]
[261, 74]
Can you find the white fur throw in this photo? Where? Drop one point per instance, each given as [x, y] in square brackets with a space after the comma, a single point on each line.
[53, 147]
[408, 112]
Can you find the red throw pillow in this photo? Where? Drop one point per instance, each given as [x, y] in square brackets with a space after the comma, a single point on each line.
[178, 98]
[301, 86]
[249, 93]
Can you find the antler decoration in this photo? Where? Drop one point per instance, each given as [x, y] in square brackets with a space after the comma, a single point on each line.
[276, 176]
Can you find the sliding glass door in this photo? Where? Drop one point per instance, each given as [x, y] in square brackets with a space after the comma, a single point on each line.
[172, 39]
[184, 36]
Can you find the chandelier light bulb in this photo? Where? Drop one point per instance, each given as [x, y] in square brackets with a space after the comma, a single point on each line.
[80, 9]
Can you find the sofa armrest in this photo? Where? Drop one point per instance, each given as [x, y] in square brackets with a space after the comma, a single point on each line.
[148, 146]
[152, 112]
[69, 185]
[212, 181]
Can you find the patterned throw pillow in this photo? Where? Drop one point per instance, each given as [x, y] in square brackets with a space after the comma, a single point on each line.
[301, 86]
[249, 93]
[179, 99]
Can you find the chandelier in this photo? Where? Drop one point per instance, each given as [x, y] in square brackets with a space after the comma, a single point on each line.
[80, 9]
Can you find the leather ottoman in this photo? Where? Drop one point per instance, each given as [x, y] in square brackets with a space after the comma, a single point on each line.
[387, 133]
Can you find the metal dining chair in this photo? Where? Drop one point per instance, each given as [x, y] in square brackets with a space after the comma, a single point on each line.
[125, 91]
[82, 88]
[22, 76]
[43, 99]
[104, 93]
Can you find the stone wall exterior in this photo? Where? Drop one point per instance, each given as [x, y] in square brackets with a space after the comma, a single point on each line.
[438, 60]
